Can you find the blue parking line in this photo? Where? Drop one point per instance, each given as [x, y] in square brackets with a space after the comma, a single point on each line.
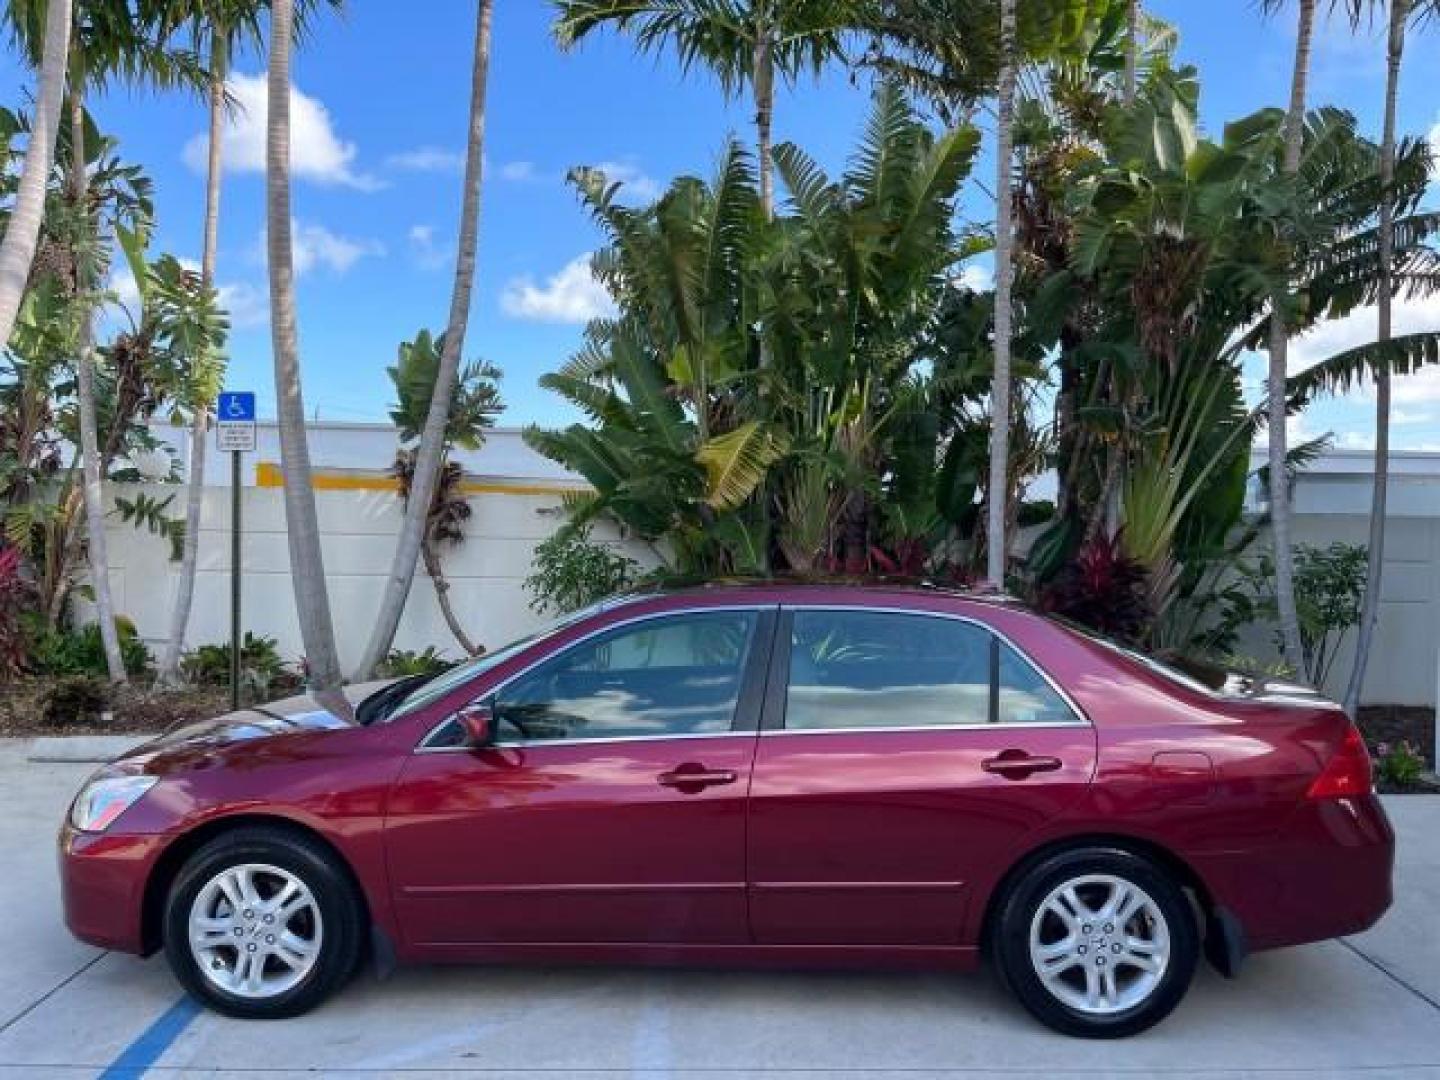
[151, 1043]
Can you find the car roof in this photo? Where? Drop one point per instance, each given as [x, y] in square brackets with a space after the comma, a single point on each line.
[798, 587]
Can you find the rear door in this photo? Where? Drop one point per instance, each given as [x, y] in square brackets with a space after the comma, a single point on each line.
[903, 755]
[612, 808]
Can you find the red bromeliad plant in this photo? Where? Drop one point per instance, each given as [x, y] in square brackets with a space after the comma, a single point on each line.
[1102, 588]
[15, 592]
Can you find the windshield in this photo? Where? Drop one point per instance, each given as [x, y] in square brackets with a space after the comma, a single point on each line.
[436, 688]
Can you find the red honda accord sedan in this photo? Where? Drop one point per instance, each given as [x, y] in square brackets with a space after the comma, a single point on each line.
[749, 774]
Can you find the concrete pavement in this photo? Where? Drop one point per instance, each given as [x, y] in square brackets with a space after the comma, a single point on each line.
[1366, 1007]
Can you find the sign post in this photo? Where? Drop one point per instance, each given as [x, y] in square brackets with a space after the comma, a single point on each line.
[235, 434]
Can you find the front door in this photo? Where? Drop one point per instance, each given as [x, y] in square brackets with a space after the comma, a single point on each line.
[612, 808]
[905, 755]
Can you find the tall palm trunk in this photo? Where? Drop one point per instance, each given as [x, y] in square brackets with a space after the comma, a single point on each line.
[307, 563]
[1132, 48]
[432, 439]
[199, 444]
[1004, 276]
[764, 78]
[1280, 523]
[1370, 610]
[91, 484]
[17, 251]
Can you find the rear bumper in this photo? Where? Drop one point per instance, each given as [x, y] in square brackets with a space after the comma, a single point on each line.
[1327, 875]
[102, 881]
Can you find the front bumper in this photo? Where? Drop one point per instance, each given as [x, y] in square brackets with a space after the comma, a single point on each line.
[1327, 875]
[102, 881]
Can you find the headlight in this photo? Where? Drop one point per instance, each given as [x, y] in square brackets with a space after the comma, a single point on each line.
[105, 798]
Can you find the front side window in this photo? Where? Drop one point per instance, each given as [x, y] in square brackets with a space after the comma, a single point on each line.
[875, 669]
[673, 675]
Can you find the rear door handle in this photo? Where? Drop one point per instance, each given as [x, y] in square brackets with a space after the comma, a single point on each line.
[692, 777]
[1017, 764]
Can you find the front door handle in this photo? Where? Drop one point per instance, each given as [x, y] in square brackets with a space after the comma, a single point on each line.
[1017, 764]
[693, 777]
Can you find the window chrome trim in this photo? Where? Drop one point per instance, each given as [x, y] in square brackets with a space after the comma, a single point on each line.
[1081, 718]
[424, 747]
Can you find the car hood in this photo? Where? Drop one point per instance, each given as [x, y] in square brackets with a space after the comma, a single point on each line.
[299, 714]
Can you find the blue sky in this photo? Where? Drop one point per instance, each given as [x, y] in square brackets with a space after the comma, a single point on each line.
[380, 125]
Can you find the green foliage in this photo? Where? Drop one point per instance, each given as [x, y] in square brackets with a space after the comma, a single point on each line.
[73, 700]
[474, 399]
[261, 667]
[15, 596]
[1329, 591]
[148, 512]
[61, 652]
[571, 571]
[405, 662]
[1103, 588]
[1398, 765]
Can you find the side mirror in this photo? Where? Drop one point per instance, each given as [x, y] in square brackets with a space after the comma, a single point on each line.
[478, 723]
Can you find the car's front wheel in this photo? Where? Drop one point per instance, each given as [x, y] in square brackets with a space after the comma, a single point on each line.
[262, 924]
[1096, 942]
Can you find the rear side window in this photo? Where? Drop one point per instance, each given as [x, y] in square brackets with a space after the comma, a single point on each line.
[675, 675]
[873, 669]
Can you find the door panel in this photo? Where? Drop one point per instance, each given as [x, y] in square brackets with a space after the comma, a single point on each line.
[905, 756]
[870, 838]
[612, 809]
[572, 843]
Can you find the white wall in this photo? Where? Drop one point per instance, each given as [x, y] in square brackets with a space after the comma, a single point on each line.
[358, 530]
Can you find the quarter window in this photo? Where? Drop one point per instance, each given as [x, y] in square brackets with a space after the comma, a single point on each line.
[872, 669]
[676, 675]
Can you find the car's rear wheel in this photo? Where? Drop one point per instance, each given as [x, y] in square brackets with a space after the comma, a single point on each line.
[262, 924]
[1096, 942]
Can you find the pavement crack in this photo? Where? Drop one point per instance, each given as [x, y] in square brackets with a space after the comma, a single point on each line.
[28, 1009]
[1426, 998]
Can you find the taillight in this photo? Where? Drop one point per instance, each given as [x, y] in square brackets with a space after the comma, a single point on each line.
[1347, 773]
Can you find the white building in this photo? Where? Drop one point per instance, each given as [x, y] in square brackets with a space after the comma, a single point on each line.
[516, 494]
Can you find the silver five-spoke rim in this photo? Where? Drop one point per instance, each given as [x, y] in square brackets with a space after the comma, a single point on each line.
[255, 930]
[1100, 944]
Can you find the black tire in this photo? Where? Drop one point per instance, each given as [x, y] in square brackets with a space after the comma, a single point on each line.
[1010, 942]
[340, 915]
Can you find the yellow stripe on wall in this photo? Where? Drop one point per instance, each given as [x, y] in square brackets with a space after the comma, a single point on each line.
[268, 475]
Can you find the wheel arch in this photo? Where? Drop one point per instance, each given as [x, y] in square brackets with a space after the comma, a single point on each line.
[1167, 860]
[175, 855]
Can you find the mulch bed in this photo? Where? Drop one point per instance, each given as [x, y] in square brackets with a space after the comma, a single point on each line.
[1396, 724]
[136, 709]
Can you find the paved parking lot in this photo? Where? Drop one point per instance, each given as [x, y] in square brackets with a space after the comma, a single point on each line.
[1369, 1006]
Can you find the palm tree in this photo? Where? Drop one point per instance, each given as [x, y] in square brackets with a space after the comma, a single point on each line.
[218, 27]
[307, 561]
[106, 40]
[744, 42]
[424, 471]
[1132, 48]
[1280, 522]
[1004, 279]
[18, 249]
[1370, 610]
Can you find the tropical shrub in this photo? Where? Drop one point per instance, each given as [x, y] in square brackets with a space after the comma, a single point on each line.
[571, 571]
[1329, 590]
[401, 663]
[1398, 764]
[62, 652]
[74, 699]
[15, 594]
[1103, 588]
[261, 667]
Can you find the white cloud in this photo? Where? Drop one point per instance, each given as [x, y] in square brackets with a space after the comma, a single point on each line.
[519, 171]
[635, 184]
[315, 246]
[427, 159]
[570, 296]
[1358, 328]
[976, 277]
[427, 251]
[317, 153]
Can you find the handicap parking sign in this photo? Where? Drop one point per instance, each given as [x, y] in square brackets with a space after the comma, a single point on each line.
[237, 405]
[235, 421]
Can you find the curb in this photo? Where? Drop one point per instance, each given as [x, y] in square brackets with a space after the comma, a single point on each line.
[82, 749]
